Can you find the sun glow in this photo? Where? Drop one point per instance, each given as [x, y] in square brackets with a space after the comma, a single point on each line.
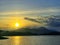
[17, 24]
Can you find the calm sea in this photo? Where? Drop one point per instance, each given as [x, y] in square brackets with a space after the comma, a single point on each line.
[31, 40]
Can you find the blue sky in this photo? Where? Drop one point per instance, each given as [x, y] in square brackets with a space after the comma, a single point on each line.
[30, 7]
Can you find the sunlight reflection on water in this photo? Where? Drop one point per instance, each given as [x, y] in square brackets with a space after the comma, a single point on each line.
[16, 40]
[31, 40]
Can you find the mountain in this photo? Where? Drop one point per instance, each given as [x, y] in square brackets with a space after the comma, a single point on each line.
[41, 31]
[30, 31]
[35, 31]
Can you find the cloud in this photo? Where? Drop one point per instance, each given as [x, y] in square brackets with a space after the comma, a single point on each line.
[32, 12]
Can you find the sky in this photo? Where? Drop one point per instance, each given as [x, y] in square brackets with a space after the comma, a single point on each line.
[12, 11]
[30, 7]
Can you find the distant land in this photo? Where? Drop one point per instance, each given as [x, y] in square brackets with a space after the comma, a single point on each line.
[28, 31]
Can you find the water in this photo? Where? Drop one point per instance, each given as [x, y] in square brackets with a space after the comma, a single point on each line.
[31, 40]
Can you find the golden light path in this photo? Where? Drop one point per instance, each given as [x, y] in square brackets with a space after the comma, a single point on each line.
[16, 40]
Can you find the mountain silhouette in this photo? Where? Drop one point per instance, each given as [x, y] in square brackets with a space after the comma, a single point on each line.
[36, 31]
[30, 31]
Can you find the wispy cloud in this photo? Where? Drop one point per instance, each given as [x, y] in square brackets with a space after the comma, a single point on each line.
[32, 12]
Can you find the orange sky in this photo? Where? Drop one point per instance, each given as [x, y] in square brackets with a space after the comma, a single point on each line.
[9, 23]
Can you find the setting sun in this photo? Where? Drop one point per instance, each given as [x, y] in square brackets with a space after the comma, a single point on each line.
[17, 24]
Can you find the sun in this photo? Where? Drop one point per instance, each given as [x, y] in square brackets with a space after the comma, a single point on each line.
[17, 24]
